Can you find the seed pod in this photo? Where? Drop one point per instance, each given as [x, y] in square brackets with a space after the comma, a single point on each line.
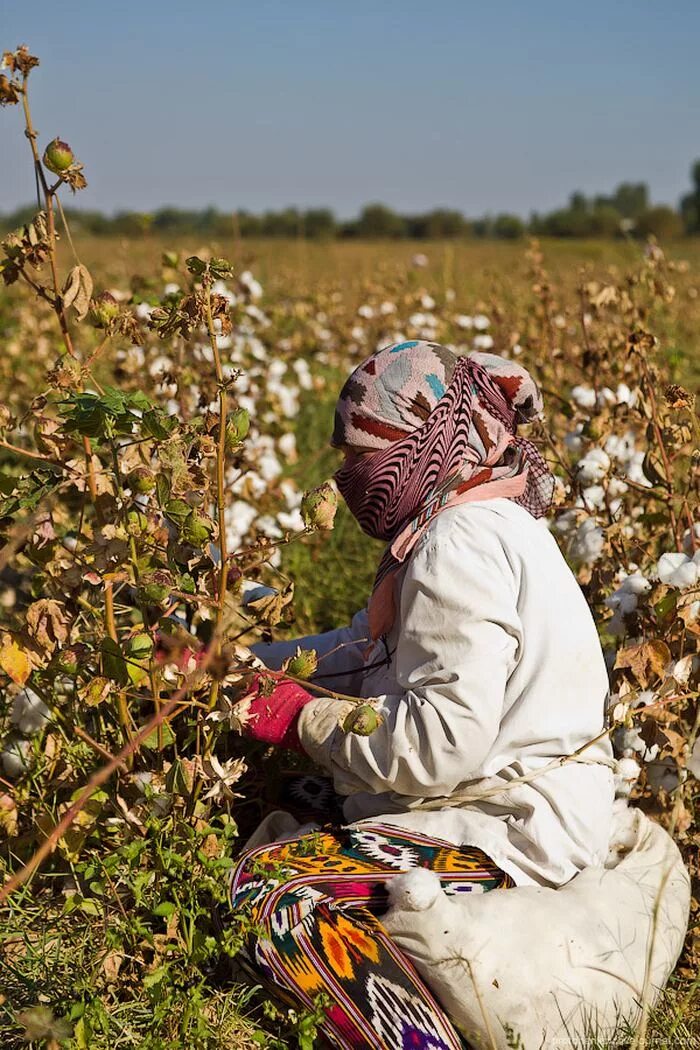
[141, 480]
[362, 720]
[58, 156]
[195, 530]
[318, 507]
[237, 427]
[103, 309]
[303, 664]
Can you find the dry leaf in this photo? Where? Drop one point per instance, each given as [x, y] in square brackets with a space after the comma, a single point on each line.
[14, 661]
[646, 661]
[77, 290]
[47, 623]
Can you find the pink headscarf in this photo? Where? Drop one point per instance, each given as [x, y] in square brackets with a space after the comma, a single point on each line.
[444, 428]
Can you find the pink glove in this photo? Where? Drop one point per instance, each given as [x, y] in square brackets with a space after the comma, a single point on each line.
[274, 718]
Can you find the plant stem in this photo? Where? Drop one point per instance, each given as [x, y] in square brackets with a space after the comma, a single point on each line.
[220, 478]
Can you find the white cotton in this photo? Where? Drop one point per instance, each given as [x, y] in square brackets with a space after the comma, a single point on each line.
[593, 497]
[291, 521]
[481, 322]
[593, 466]
[587, 543]
[29, 713]
[574, 439]
[482, 342]
[427, 302]
[287, 444]
[678, 570]
[626, 776]
[464, 321]
[420, 259]
[565, 522]
[292, 495]
[267, 525]
[366, 311]
[357, 332]
[414, 890]
[387, 308]
[251, 285]
[15, 756]
[303, 373]
[606, 397]
[583, 396]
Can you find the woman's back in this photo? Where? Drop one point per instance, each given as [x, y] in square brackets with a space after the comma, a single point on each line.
[496, 672]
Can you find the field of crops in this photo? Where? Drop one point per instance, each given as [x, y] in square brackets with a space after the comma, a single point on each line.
[164, 407]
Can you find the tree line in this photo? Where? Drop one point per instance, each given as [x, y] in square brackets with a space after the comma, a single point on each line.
[626, 212]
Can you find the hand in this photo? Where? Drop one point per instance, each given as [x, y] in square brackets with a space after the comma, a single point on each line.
[273, 718]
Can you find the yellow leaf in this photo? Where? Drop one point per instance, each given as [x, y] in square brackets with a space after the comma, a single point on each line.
[14, 661]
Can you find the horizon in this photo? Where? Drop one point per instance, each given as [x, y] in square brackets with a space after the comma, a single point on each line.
[273, 108]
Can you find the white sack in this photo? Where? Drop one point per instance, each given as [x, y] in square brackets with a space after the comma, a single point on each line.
[556, 965]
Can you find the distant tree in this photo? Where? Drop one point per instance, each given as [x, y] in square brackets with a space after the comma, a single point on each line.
[508, 227]
[660, 221]
[629, 200]
[319, 223]
[287, 223]
[690, 204]
[376, 220]
[604, 221]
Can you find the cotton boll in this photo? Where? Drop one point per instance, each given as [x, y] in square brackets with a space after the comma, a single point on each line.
[251, 285]
[292, 495]
[593, 497]
[267, 525]
[663, 775]
[387, 308]
[143, 311]
[366, 311]
[303, 373]
[287, 445]
[630, 740]
[29, 712]
[574, 439]
[464, 321]
[677, 570]
[605, 397]
[357, 332]
[583, 396]
[594, 465]
[15, 756]
[626, 776]
[481, 322]
[566, 521]
[420, 259]
[625, 396]
[587, 543]
[482, 341]
[291, 521]
[427, 302]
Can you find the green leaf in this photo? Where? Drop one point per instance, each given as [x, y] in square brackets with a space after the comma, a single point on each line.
[168, 737]
[113, 662]
[178, 511]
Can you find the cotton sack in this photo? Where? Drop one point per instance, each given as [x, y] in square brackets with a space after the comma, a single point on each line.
[554, 967]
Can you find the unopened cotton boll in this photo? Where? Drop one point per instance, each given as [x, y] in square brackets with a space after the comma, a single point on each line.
[29, 713]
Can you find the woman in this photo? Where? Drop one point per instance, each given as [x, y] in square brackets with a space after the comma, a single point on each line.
[486, 666]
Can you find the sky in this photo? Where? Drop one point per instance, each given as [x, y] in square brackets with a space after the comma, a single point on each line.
[505, 105]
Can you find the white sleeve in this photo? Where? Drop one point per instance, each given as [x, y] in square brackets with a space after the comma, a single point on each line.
[459, 642]
[339, 652]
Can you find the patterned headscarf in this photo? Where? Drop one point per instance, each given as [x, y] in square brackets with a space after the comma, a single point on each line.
[444, 430]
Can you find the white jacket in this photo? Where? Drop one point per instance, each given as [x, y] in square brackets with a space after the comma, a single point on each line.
[493, 670]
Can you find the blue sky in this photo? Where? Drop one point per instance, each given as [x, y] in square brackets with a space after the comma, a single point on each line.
[480, 106]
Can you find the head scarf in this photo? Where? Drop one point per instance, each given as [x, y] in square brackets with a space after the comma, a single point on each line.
[444, 430]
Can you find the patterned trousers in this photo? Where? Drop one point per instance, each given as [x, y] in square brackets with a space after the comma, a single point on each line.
[315, 902]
